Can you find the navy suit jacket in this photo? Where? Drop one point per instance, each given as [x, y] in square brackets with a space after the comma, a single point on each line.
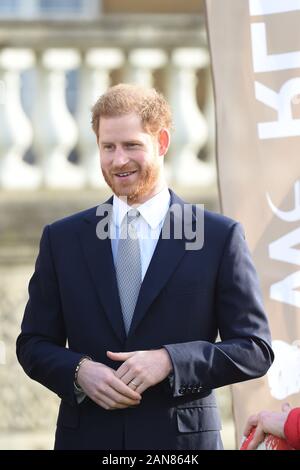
[186, 299]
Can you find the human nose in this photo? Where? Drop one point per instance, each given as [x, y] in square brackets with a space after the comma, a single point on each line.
[120, 157]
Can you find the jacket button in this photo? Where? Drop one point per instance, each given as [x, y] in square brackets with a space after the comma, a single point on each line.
[189, 389]
[194, 389]
[182, 390]
[199, 388]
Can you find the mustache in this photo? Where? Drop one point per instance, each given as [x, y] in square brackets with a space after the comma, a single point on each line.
[123, 169]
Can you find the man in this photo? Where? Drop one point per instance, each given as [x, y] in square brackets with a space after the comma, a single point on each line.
[141, 313]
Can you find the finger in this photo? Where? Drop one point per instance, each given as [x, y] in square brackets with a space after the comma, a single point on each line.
[249, 427]
[102, 401]
[141, 388]
[118, 356]
[111, 405]
[137, 385]
[123, 389]
[258, 437]
[251, 423]
[128, 377]
[122, 370]
[115, 399]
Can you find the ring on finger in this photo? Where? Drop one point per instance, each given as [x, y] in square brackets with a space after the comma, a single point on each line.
[133, 383]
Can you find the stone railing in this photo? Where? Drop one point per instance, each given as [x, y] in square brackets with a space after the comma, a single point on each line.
[137, 50]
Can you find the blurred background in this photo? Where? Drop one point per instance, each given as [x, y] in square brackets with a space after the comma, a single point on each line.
[56, 58]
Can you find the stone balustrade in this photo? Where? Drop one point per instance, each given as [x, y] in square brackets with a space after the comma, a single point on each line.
[50, 144]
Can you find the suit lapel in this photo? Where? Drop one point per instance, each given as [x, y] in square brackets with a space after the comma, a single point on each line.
[98, 255]
[166, 257]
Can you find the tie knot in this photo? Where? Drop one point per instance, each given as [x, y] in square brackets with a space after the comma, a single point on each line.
[128, 226]
[132, 214]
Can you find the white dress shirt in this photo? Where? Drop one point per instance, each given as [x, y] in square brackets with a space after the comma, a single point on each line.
[148, 226]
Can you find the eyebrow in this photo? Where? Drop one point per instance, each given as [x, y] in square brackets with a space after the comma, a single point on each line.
[129, 141]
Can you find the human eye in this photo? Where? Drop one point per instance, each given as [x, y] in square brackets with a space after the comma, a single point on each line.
[108, 147]
[132, 145]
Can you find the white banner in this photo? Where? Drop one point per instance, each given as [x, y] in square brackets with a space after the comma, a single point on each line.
[255, 53]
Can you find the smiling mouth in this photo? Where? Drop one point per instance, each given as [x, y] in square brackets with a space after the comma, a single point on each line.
[124, 174]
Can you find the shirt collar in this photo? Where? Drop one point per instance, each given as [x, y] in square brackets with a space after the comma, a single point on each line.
[153, 211]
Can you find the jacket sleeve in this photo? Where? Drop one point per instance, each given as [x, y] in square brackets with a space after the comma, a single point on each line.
[41, 346]
[244, 351]
[292, 428]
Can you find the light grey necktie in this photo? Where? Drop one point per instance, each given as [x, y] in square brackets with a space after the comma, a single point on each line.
[128, 267]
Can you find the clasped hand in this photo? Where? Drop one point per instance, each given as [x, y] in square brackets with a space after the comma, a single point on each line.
[122, 388]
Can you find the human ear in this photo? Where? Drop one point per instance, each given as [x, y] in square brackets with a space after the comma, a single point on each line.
[163, 141]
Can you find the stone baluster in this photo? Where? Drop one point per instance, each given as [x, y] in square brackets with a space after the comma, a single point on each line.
[139, 69]
[142, 63]
[209, 113]
[2, 353]
[191, 132]
[94, 80]
[15, 127]
[55, 128]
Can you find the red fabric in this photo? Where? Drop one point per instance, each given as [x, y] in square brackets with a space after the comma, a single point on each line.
[269, 443]
[292, 428]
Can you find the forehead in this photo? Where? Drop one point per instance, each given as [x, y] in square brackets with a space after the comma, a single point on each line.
[120, 126]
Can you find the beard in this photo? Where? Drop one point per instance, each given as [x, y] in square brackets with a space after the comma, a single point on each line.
[134, 192]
